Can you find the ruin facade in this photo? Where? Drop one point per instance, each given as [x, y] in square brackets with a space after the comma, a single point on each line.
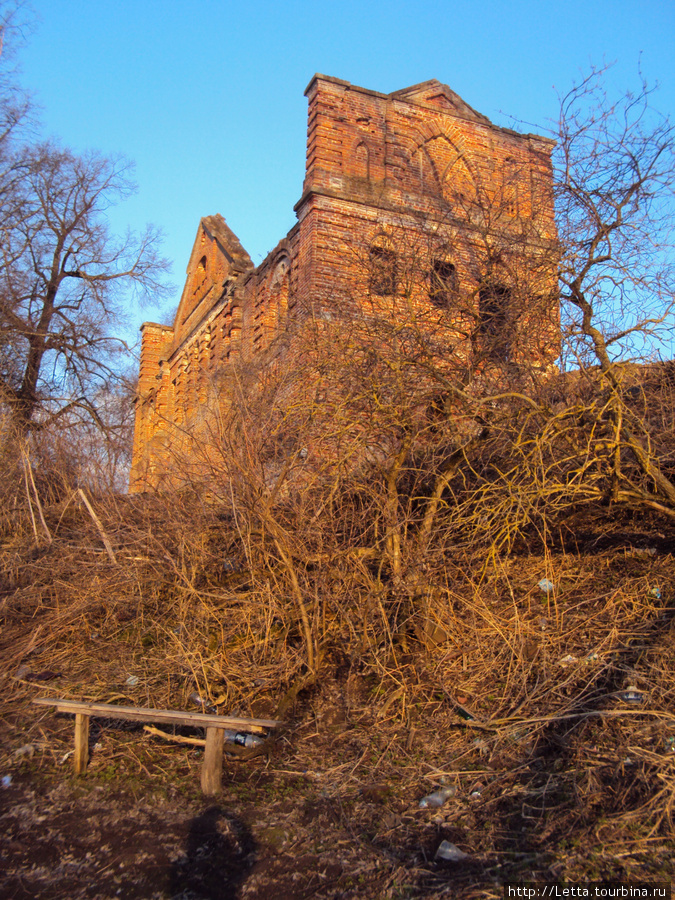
[412, 181]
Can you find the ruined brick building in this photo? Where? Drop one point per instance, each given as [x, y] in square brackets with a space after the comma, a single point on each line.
[415, 174]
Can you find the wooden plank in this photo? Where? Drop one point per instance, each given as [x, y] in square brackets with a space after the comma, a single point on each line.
[165, 716]
[212, 767]
[81, 743]
[177, 738]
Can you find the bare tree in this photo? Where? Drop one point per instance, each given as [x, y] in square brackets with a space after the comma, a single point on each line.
[615, 198]
[62, 279]
[95, 452]
[15, 105]
[16, 111]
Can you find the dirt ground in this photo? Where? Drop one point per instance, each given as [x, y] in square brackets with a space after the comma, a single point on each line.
[287, 825]
[267, 836]
[331, 811]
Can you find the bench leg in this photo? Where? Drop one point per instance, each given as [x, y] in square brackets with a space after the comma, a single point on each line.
[81, 743]
[212, 768]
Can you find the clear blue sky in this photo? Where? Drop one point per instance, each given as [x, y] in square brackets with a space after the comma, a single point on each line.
[207, 96]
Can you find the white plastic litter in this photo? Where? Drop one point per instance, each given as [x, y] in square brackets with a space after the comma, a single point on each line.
[632, 695]
[27, 750]
[438, 798]
[568, 661]
[450, 852]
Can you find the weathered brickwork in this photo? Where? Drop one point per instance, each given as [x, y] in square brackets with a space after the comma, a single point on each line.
[411, 192]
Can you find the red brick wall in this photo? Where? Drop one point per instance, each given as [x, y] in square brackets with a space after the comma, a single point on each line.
[418, 173]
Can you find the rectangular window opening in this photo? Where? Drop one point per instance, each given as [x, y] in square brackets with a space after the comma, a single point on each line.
[443, 284]
[383, 271]
[495, 322]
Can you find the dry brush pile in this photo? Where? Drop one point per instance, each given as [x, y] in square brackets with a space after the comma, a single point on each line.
[432, 604]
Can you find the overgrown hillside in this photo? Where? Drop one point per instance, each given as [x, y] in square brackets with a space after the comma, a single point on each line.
[538, 684]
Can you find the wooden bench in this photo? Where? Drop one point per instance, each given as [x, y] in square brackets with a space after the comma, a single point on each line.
[212, 767]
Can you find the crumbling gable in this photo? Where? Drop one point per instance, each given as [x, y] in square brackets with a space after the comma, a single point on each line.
[216, 261]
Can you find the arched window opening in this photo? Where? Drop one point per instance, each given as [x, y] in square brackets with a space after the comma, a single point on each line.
[383, 271]
[279, 289]
[200, 275]
[443, 283]
[281, 270]
[362, 160]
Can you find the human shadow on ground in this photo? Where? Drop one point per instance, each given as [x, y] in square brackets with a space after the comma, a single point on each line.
[219, 856]
[548, 809]
[551, 815]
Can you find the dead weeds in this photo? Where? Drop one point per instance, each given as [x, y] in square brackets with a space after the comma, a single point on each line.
[540, 686]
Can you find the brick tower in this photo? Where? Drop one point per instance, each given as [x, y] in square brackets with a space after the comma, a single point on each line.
[413, 193]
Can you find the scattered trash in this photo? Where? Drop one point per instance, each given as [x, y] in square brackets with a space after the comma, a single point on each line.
[545, 585]
[243, 739]
[632, 695]
[464, 713]
[450, 852]
[476, 792]
[98, 746]
[438, 798]
[644, 552]
[132, 681]
[6, 781]
[198, 700]
[568, 661]
[670, 744]
[27, 750]
[66, 756]
[655, 592]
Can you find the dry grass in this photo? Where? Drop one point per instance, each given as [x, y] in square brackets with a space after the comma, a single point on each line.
[470, 674]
